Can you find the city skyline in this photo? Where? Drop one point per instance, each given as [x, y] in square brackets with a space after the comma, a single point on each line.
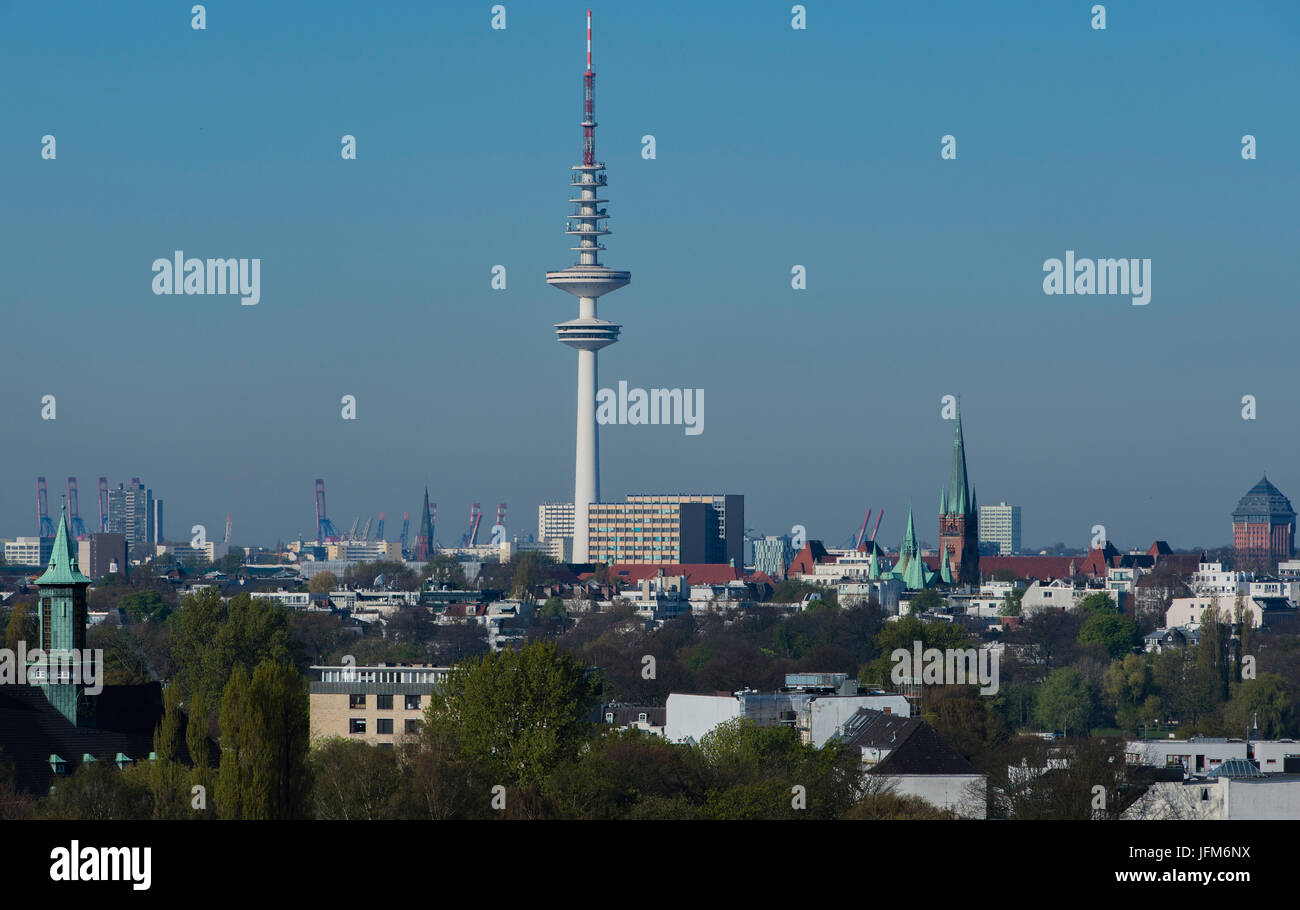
[924, 278]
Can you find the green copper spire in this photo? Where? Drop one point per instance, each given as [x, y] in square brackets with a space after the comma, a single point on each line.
[945, 570]
[957, 499]
[873, 565]
[63, 569]
[909, 547]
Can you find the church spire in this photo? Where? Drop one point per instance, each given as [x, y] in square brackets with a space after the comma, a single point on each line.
[957, 500]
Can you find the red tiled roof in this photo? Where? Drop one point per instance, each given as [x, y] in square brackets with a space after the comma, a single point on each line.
[805, 561]
[695, 573]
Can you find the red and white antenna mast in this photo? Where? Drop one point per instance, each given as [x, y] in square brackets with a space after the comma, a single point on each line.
[589, 106]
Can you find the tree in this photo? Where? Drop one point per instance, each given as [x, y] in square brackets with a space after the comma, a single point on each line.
[323, 583]
[353, 780]
[170, 733]
[1011, 602]
[445, 570]
[1264, 701]
[1131, 687]
[552, 609]
[265, 733]
[98, 791]
[1064, 702]
[196, 730]
[233, 561]
[927, 601]
[212, 637]
[234, 774]
[144, 606]
[1116, 634]
[903, 634]
[515, 713]
[1097, 603]
[22, 625]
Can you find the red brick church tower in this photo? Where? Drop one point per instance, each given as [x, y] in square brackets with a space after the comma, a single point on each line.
[959, 518]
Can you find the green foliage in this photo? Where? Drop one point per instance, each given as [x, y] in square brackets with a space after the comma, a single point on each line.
[1131, 688]
[170, 733]
[903, 634]
[1097, 603]
[144, 606]
[323, 583]
[353, 780]
[22, 624]
[1265, 700]
[212, 638]
[265, 729]
[925, 602]
[97, 791]
[1065, 703]
[1011, 602]
[791, 591]
[445, 570]
[396, 574]
[515, 714]
[553, 609]
[1116, 634]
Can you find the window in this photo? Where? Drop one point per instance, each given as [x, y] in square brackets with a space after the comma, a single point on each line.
[356, 701]
[413, 703]
[383, 702]
[384, 726]
[641, 717]
[357, 725]
[412, 726]
[609, 717]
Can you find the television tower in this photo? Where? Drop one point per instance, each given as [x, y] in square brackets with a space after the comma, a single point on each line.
[587, 280]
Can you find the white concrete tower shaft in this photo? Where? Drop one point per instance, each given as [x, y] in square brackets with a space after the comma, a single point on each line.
[587, 280]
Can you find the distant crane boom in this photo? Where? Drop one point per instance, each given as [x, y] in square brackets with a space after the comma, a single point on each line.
[103, 505]
[78, 526]
[44, 527]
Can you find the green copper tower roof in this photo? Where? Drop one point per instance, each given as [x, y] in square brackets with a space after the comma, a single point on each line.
[873, 565]
[63, 569]
[910, 569]
[957, 500]
[945, 570]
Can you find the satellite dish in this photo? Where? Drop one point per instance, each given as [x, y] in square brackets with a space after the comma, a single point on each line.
[382, 579]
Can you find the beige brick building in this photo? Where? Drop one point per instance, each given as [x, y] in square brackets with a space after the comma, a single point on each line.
[379, 705]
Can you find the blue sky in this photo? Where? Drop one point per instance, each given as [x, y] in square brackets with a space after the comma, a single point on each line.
[775, 147]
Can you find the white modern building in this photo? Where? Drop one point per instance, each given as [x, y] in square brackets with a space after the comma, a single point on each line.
[554, 520]
[1000, 524]
[28, 551]
[1212, 578]
[816, 715]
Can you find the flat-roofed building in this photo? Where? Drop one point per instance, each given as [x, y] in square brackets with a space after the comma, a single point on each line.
[1000, 525]
[380, 705]
[554, 520]
[650, 532]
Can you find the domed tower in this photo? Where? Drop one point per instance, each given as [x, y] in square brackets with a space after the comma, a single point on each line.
[1263, 528]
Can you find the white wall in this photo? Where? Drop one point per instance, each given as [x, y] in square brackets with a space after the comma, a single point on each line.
[695, 715]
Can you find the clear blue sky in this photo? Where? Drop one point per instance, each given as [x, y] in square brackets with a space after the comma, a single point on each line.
[775, 147]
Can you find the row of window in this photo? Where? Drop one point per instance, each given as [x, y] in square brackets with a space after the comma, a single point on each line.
[383, 726]
[384, 702]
